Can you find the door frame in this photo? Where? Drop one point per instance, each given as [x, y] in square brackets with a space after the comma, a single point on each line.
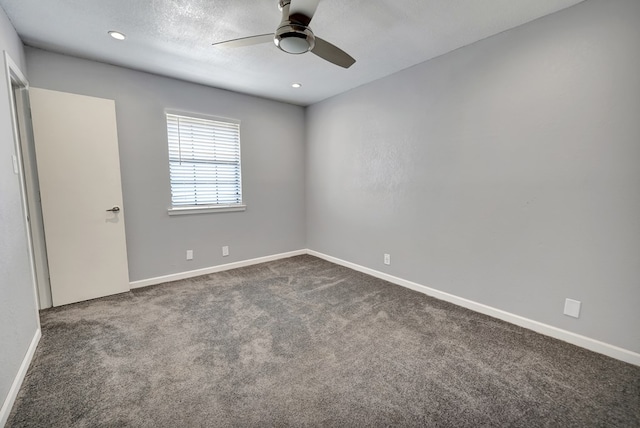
[29, 187]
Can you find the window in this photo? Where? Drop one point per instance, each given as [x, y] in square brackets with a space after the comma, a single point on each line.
[204, 164]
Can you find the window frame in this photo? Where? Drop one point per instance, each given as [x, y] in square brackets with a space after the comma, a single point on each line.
[209, 208]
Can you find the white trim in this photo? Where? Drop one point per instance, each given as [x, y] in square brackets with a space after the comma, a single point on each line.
[206, 209]
[201, 116]
[17, 381]
[12, 68]
[545, 329]
[212, 269]
[14, 73]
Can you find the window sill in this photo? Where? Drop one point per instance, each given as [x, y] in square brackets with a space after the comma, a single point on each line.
[206, 209]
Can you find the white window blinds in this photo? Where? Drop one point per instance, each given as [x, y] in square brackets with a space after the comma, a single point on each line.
[204, 161]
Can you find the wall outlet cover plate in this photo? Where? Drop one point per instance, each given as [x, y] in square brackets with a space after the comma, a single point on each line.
[572, 308]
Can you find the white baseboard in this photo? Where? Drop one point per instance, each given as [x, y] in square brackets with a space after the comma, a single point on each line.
[548, 330]
[17, 381]
[212, 269]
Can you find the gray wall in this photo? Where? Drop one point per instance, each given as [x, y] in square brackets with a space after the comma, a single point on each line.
[272, 135]
[505, 172]
[18, 319]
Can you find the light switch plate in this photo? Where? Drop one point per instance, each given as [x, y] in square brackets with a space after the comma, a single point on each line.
[14, 160]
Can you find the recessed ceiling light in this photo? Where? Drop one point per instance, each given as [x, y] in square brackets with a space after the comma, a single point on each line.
[117, 35]
[296, 85]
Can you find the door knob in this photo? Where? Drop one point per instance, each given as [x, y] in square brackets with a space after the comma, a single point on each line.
[115, 209]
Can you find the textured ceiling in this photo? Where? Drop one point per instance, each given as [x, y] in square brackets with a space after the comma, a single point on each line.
[174, 37]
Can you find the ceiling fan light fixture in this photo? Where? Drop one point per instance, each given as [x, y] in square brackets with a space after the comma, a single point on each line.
[117, 35]
[294, 39]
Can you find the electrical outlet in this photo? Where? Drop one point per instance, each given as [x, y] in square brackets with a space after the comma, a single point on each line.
[387, 259]
[572, 308]
[225, 251]
[189, 254]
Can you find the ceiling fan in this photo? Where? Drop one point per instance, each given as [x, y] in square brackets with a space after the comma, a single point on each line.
[294, 35]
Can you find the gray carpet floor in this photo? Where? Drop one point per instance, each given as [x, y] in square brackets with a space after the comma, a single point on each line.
[303, 342]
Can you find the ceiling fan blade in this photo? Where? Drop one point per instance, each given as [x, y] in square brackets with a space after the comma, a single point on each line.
[246, 41]
[302, 11]
[332, 53]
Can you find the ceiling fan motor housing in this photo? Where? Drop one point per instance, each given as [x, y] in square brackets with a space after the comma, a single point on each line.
[294, 38]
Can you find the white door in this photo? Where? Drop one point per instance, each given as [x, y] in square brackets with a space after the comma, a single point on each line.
[79, 172]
